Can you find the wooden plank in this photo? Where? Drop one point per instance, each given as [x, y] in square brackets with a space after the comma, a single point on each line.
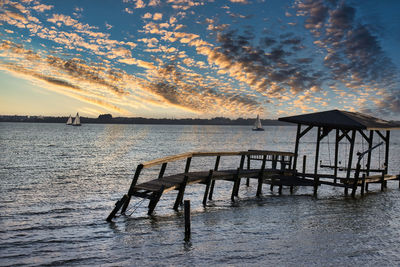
[221, 153]
[159, 161]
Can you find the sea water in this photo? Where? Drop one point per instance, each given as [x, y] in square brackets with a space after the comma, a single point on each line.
[58, 183]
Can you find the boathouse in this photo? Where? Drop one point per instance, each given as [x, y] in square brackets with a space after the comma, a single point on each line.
[278, 168]
[347, 126]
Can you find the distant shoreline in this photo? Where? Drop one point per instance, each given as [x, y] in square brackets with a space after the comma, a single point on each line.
[140, 120]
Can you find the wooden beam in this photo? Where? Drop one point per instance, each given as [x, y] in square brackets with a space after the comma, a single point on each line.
[155, 162]
[345, 134]
[305, 131]
[381, 135]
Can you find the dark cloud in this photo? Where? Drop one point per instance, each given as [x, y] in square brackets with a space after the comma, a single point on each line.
[354, 54]
[272, 61]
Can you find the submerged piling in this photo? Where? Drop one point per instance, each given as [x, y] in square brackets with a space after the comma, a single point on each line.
[187, 219]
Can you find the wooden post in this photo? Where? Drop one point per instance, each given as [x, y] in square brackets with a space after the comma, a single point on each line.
[118, 205]
[236, 183]
[213, 181]
[132, 187]
[363, 185]
[154, 200]
[387, 151]
[355, 182]
[352, 141]
[370, 141]
[161, 174]
[382, 181]
[248, 167]
[304, 166]
[316, 180]
[187, 219]
[208, 183]
[296, 147]
[336, 156]
[242, 159]
[260, 176]
[181, 192]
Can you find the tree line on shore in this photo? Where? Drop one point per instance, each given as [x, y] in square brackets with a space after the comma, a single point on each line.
[107, 118]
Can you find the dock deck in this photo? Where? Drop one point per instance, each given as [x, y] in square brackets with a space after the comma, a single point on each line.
[280, 173]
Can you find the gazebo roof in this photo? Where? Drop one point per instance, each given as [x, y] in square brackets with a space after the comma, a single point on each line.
[340, 119]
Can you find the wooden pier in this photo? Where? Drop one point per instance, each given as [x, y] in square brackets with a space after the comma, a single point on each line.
[277, 168]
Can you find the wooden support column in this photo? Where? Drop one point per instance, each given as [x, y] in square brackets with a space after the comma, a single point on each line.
[316, 178]
[241, 166]
[296, 147]
[352, 141]
[163, 167]
[387, 152]
[182, 187]
[355, 182]
[336, 155]
[117, 207]
[248, 167]
[181, 192]
[132, 187]
[282, 169]
[213, 181]
[261, 176]
[208, 183]
[304, 166]
[154, 200]
[363, 185]
[371, 138]
[236, 183]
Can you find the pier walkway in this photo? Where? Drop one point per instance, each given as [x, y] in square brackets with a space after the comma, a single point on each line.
[276, 170]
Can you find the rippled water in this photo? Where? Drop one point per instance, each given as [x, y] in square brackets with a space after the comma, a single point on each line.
[59, 183]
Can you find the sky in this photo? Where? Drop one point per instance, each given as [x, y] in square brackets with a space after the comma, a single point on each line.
[199, 58]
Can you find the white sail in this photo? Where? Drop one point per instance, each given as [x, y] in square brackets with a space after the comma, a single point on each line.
[257, 125]
[69, 121]
[77, 120]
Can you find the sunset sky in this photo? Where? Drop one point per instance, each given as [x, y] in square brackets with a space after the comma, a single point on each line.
[199, 58]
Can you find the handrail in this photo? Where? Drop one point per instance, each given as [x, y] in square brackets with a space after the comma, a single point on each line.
[181, 156]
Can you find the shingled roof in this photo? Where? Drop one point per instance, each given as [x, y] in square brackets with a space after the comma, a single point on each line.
[340, 119]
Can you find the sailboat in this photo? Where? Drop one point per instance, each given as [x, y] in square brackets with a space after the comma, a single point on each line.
[69, 121]
[77, 120]
[257, 125]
